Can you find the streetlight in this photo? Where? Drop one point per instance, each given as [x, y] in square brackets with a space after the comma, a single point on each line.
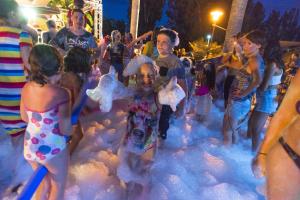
[216, 14]
[208, 37]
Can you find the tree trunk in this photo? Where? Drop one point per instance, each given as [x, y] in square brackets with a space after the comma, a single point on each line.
[135, 10]
[235, 22]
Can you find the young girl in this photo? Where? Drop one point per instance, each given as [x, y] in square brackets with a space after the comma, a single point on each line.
[139, 145]
[169, 66]
[76, 70]
[46, 108]
[204, 84]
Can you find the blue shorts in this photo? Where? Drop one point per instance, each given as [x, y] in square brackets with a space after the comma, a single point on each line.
[238, 110]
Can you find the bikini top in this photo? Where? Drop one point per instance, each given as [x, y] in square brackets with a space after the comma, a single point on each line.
[298, 107]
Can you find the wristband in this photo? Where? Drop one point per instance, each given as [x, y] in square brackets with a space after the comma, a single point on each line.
[261, 153]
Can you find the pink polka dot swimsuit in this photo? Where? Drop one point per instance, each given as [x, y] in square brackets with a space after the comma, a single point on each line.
[43, 139]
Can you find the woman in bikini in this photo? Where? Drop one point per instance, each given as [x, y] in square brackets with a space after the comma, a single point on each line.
[278, 157]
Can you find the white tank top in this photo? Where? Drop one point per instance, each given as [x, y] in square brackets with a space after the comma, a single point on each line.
[276, 79]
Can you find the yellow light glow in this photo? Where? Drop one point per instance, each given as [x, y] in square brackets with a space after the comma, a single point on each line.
[216, 15]
[28, 12]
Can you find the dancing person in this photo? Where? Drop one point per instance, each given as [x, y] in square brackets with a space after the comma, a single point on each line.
[266, 95]
[248, 78]
[278, 157]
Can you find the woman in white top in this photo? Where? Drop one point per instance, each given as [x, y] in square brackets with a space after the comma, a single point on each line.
[266, 94]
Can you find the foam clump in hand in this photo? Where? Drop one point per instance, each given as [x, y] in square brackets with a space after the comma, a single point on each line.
[172, 94]
[108, 89]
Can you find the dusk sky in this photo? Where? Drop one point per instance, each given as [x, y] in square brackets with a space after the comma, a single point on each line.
[117, 9]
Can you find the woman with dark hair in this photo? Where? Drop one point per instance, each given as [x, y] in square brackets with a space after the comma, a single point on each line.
[266, 103]
[15, 46]
[248, 78]
[278, 157]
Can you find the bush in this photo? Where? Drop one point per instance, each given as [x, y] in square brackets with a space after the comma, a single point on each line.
[201, 50]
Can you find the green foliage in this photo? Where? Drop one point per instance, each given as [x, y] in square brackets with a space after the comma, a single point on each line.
[61, 3]
[201, 49]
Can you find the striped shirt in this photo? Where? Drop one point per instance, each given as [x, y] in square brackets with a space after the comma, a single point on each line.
[12, 78]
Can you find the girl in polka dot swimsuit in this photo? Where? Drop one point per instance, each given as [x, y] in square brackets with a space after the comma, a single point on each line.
[46, 109]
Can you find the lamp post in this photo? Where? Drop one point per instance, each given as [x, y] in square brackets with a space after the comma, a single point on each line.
[216, 14]
[208, 37]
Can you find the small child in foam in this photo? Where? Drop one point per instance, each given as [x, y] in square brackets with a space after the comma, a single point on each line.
[139, 144]
[204, 85]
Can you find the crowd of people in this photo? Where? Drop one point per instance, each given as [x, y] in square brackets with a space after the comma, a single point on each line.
[41, 83]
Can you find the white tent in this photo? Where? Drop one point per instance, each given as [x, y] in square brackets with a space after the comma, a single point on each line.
[39, 3]
[287, 44]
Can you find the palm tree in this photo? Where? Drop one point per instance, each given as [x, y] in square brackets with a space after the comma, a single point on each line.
[236, 18]
[135, 10]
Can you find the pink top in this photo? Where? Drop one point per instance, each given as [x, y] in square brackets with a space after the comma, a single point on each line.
[201, 90]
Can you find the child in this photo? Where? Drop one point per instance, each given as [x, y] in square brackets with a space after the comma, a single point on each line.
[204, 84]
[169, 66]
[139, 145]
[188, 65]
[47, 110]
[76, 70]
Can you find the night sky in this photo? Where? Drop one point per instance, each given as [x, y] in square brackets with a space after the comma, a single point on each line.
[117, 9]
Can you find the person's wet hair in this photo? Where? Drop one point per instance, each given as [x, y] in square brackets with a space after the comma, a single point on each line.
[77, 60]
[77, 10]
[155, 33]
[51, 24]
[170, 33]
[273, 53]
[256, 37]
[45, 61]
[7, 6]
[210, 74]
